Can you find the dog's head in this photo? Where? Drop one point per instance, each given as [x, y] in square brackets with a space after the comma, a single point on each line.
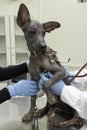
[34, 31]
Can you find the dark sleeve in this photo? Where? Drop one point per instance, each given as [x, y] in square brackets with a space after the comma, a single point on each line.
[12, 71]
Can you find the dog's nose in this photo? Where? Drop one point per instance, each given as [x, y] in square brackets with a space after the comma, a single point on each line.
[43, 47]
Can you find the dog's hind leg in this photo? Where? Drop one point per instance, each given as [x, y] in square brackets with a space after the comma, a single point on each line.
[29, 116]
[76, 121]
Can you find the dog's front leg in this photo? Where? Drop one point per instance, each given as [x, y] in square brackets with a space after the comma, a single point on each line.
[29, 116]
[57, 77]
[59, 74]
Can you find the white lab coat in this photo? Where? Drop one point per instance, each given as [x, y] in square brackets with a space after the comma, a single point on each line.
[77, 98]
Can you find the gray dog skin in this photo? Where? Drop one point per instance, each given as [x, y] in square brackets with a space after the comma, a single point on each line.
[39, 58]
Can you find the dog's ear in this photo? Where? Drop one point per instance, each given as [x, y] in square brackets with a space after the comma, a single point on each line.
[23, 15]
[49, 26]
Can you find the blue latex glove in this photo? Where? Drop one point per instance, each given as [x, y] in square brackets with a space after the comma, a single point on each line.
[68, 73]
[30, 87]
[23, 88]
[42, 80]
[56, 88]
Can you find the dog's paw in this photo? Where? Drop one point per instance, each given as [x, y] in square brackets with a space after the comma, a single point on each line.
[39, 113]
[27, 117]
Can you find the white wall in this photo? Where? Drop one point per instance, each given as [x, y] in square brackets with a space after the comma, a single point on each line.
[10, 7]
[71, 39]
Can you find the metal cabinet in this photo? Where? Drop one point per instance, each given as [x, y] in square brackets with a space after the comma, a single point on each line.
[13, 48]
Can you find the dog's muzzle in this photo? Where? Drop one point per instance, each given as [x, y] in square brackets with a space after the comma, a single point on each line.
[41, 50]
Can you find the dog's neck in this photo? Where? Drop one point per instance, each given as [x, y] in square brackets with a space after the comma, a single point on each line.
[34, 53]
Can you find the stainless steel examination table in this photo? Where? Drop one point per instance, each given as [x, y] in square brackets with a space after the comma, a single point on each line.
[12, 111]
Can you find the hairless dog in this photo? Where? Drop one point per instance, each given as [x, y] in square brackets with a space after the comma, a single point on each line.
[40, 55]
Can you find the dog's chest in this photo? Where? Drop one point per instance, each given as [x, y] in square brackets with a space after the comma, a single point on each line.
[36, 63]
[39, 61]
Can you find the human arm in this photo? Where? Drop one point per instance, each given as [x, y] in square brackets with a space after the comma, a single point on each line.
[12, 71]
[70, 95]
[76, 99]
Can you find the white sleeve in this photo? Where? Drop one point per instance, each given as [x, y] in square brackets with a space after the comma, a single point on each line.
[80, 83]
[76, 99]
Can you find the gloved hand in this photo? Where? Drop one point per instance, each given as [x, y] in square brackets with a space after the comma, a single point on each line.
[68, 73]
[23, 88]
[42, 80]
[56, 88]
